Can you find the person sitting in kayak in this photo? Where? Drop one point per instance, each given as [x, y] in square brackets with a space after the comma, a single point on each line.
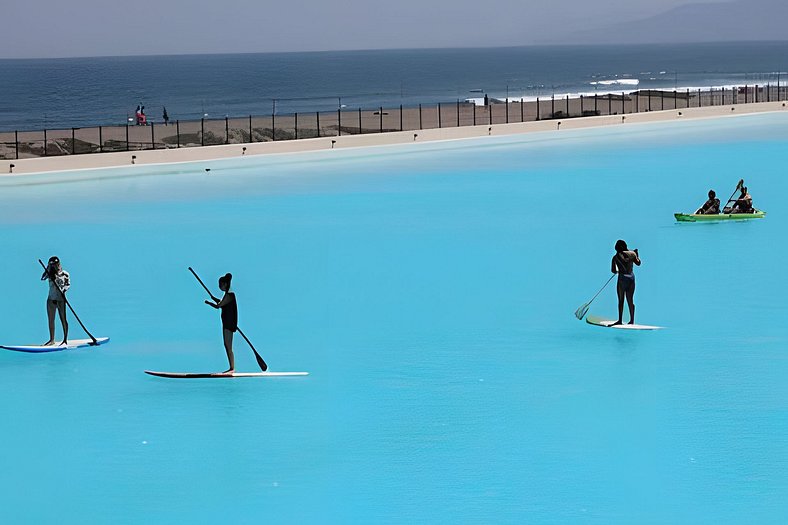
[59, 283]
[622, 265]
[229, 309]
[711, 206]
[744, 203]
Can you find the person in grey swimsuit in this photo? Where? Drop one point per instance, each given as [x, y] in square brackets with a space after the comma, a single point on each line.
[59, 283]
[622, 264]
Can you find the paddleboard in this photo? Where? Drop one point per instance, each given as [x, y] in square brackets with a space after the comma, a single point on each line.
[219, 375]
[72, 344]
[607, 323]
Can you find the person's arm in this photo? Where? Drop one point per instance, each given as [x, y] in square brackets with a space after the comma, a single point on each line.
[66, 282]
[219, 303]
[637, 257]
[613, 265]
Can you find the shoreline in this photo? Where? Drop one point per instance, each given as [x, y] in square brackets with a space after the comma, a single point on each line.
[26, 166]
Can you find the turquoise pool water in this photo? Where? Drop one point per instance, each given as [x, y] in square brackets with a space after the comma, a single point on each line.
[429, 290]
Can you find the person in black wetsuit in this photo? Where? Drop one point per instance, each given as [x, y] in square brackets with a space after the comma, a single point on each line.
[229, 309]
[622, 265]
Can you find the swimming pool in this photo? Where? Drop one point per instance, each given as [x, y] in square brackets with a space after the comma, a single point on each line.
[429, 291]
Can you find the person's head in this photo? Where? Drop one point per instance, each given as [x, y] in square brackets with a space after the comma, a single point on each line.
[712, 194]
[621, 246]
[224, 282]
[743, 191]
[54, 263]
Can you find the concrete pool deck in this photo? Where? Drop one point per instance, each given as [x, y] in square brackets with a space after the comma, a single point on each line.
[208, 153]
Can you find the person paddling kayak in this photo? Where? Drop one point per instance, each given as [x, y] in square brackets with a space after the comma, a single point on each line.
[622, 265]
[711, 206]
[229, 309]
[59, 283]
[744, 203]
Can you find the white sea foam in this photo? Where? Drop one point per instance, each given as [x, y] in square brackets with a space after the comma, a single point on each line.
[620, 81]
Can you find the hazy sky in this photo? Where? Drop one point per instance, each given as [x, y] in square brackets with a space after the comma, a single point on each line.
[59, 28]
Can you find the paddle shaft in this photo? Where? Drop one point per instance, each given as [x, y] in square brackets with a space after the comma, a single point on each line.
[69, 305]
[738, 187]
[260, 360]
[600, 290]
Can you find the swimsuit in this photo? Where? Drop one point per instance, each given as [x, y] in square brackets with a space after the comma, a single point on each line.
[230, 314]
[62, 281]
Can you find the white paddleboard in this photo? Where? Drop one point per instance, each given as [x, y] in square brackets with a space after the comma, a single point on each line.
[71, 345]
[607, 323]
[219, 375]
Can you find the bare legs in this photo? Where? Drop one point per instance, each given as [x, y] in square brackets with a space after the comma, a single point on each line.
[628, 291]
[228, 347]
[60, 306]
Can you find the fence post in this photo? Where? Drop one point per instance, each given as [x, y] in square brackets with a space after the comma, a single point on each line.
[538, 112]
[251, 137]
[273, 127]
[152, 137]
[649, 100]
[317, 115]
[73, 142]
[360, 131]
[756, 93]
[711, 96]
[380, 114]
[474, 113]
[552, 106]
[661, 99]
[400, 118]
[16, 143]
[746, 89]
[339, 122]
[420, 125]
[177, 134]
[567, 105]
[581, 106]
[45, 140]
[507, 110]
[440, 124]
[101, 140]
[688, 97]
[458, 113]
[295, 126]
[202, 131]
[522, 111]
[610, 103]
[226, 130]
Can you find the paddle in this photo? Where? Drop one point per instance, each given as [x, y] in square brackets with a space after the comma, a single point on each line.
[94, 342]
[738, 187]
[583, 310]
[263, 365]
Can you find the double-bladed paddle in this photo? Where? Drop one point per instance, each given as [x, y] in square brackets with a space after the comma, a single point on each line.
[94, 342]
[263, 365]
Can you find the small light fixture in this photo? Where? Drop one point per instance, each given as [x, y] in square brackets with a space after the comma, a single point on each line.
[332, 143]
[11, 168]
[623, 117]
[734, 109]
[489, 130]
[243, 151]
[559, 125]
[415, 135]
[133, 159]
[207, 170]
[679, 113]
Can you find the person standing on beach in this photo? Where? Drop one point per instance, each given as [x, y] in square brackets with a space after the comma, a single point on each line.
[59, 283]
[622, 265]
[229, 309]
[711, 206]
[165, 116]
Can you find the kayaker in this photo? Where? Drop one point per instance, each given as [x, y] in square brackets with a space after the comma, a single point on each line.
[59, 283]
[744, 203]
[622, 265]
[711, 206]
[229, 309]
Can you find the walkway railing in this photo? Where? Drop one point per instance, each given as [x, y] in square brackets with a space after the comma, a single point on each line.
[235, 130]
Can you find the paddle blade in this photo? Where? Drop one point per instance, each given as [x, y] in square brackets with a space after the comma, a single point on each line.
[263, 365]
[581, 312]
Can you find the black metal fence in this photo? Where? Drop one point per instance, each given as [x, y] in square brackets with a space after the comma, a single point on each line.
[241, 130]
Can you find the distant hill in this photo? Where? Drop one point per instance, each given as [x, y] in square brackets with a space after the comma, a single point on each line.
[740, 20]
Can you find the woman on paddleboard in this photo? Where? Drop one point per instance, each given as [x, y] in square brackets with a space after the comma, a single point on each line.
[229, 317]
[59, 283]
[622, 265]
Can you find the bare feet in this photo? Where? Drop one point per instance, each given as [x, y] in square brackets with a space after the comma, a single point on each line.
[64, 343]
[616, 323]
[229, 371]
[631, 321]
[49, 343]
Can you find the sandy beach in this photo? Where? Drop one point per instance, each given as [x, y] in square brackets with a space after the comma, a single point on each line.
[69, 149]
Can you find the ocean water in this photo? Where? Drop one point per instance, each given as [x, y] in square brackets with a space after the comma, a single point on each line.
[429, 290]
[65, 93]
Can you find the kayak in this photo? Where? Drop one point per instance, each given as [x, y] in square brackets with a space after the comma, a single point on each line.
[692, 217]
